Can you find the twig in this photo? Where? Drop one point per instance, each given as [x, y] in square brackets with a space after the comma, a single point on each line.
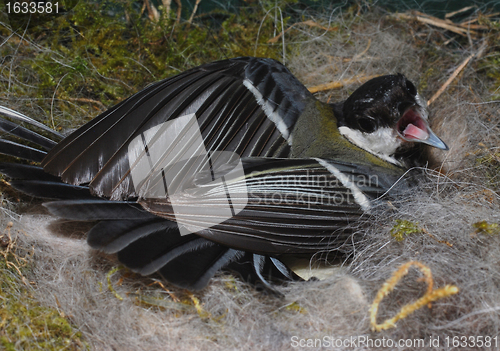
[430, 295]
[9, 244]
[167, 4]
[448, 82]
[438, 23]
[439, 241]
[451, 14]
[482, 49]
[340, 84]
[473, 26]
[143, 8]
[358, 56]
[309, 23]
[449, 40]
[103, 107]
[179, 11]
[194, 11]
[466, 25]
[463, 24]
[172, 295]
[153, 13]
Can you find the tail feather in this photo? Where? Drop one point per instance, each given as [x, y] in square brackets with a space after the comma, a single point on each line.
[113, 236]
[22, 118]
[146, 247]
[11, 148]
[187, 261]
[26, 134]
[27, 172]
[195, 269]
[190, 261]
[97, 210]
[51, 190]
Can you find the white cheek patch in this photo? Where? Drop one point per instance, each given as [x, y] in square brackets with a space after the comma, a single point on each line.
[382, 143]
[269, 111]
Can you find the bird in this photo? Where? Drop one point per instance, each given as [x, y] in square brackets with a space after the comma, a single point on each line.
[231, 165]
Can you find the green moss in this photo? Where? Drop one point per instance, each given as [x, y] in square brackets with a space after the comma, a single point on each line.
[484, 227]
[428, 75]
[489, 62]
[489, 160]
[403, 228]
[296, 307]
[103, 52]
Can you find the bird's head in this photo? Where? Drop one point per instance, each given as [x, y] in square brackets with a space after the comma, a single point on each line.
[385, 115]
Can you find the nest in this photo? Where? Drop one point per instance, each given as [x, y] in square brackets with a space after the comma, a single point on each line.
[447, 228]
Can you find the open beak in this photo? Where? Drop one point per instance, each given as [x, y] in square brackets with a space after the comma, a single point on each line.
[413, 127]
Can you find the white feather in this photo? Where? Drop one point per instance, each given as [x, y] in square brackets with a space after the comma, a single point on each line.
[382, 143]
[359, 197]
[269, 111]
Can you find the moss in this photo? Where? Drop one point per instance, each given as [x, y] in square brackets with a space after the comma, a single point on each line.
[103, 52]
[483, 227]
[489, 160]
[489, 62]
[429, 74]
[89, 60]
[296, 307]
[403, 228]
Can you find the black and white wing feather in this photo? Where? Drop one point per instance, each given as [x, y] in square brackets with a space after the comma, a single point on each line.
[142, 241]
[248, 106]
[288, 205]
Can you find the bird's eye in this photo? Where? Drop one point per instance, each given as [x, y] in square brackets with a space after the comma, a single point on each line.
[411, 88]
[367, 124]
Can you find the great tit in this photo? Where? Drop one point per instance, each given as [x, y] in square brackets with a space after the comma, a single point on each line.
[310, 169]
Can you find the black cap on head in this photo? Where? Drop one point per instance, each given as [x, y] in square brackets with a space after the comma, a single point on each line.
[391, 102]
[380, 102]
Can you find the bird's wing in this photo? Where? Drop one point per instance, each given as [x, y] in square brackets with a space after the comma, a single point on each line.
[148, 244]
[19, 117]
[248, 106]
[23, 135]
[142, 241]
[188, 261]
[278, 206]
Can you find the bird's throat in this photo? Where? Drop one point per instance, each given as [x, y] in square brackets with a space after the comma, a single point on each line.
[317, 135]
